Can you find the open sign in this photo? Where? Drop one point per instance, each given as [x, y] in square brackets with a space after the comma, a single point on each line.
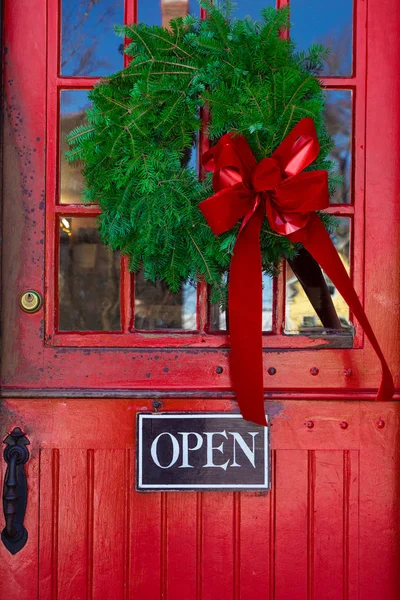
[205, 451]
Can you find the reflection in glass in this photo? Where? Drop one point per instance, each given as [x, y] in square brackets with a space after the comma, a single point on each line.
[89, 276]
[73, 104]
[89, 45]
[160, 12]
[218, 317]
[328, 23]
[300, 314]
[338, 119]
[251, 8]
[156, 307]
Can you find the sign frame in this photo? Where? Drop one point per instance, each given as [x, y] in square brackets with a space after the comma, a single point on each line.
[141, 487]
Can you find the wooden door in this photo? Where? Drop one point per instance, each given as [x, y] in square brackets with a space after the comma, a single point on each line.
[106, 346]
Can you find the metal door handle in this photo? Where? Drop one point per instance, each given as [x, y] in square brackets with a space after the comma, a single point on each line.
[14, 535]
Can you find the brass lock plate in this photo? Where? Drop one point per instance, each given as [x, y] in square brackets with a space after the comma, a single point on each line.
[30, 301]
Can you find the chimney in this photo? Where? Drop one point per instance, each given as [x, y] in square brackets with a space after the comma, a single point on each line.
[171, 9]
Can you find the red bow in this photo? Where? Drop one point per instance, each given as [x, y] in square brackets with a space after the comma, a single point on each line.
[278, 187]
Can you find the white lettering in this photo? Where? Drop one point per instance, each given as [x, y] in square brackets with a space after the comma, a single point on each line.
[211, 448]
[175, 450]
[237, 438]
[185, 447]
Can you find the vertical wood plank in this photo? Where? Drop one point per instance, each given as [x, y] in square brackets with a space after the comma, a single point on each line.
[180, 545]
[48, 523]
[379, 501]
[218, 546]
[145, 546]
[255, 533]
[257, 529]
[72, 523]
[330, 515]
[379, 528]
[127, 520]
[351, 474]
[291, 506]
[108, 524]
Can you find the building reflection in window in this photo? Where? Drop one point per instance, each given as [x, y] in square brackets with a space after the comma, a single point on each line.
[160, 12]
[89, 279]
[218, 317]
[156, 307]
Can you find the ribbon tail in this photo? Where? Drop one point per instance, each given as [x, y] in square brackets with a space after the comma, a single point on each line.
[245, 320]
[319, 244]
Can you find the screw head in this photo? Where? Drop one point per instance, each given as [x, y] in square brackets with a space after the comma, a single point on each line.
[157, 404]
[343, 425]
[271, 371]
[380, 424]
[314, 371]
[309, 424]
[219, 370]
[348, 372]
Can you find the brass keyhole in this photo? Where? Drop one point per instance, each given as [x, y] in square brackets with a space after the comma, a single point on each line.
[30, 301]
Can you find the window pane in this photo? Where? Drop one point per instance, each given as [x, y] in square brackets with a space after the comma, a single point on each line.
[89, 276]
[156, 307]
[329, 23]
[160, 12]
[89, 45]
[338, 118]
[218, 317]
[300, 314]
[73, 104]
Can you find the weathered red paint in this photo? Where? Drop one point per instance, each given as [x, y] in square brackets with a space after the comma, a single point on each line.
[330, 523]
[329, 528]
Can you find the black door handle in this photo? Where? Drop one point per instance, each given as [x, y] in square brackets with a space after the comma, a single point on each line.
[14, 535]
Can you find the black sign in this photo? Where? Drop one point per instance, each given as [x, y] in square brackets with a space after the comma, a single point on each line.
[201, 451]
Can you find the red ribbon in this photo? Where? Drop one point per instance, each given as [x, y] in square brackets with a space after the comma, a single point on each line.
[278, 187]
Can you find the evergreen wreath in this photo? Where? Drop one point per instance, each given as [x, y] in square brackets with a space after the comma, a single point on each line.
[144, 122]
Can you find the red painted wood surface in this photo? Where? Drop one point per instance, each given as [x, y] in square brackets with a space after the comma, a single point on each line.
[329, 528]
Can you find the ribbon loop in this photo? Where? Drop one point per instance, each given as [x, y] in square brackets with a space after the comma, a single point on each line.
[279, 187]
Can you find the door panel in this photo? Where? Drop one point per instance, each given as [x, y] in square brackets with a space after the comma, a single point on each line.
[328, 528]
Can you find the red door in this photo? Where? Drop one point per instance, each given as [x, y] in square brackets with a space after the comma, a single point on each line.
[106, 346]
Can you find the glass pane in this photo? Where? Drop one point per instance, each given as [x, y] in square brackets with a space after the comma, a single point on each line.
[156, 307]
[73, 104]
[329, 23]
[218, 317]
[251, 8]
[300, 314]
[89, 45]
[338, 118]
[89, 276]
[160, 12]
